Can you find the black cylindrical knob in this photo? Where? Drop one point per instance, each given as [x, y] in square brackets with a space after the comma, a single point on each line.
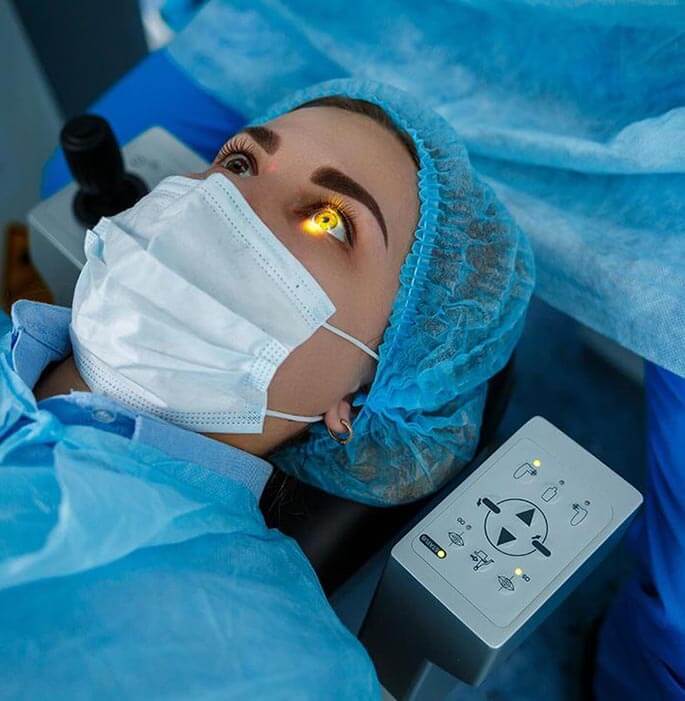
[93, 154]
[95, 161]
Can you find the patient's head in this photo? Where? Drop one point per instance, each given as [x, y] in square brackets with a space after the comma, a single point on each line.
[340, 161]
[449, 314]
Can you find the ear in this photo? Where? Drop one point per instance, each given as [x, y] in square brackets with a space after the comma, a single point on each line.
[342, 409]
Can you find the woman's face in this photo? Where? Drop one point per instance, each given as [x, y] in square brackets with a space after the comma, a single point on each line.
[326, 161]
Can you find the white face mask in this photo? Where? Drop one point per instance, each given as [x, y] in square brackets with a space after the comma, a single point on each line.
[188, 304]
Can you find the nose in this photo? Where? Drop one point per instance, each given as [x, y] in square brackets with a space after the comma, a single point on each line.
[267, 195]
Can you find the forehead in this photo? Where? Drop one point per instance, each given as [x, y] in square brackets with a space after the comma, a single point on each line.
[346, 139]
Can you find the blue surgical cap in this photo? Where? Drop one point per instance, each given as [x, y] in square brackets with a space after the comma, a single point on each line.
[458, 314]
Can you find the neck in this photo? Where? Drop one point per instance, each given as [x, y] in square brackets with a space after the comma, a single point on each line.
[63, 378]
[60, 379]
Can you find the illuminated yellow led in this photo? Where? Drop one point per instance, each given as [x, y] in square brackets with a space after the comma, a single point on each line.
[537, 462]
[441, 553]
[518, 571]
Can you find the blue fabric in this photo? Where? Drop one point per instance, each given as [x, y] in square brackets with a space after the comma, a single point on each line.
[129, 571]
[41, 336]
[156, 93]
[642, 643]
[177, 13]
[457, 316]
[5, 323]
[587, 152]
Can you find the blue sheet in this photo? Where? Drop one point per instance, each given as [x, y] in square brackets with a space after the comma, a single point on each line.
[642, 644]
[129, 574]
[575, 114]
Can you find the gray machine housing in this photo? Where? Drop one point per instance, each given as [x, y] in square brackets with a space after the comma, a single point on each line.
[484, 567]
[56, 236]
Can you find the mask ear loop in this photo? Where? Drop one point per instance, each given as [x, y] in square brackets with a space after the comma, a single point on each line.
[313, 419]
[294, 417]
[351, 339]
[367, 350]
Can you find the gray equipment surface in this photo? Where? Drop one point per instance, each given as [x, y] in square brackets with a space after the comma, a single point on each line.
[56, 236]
[484, 567]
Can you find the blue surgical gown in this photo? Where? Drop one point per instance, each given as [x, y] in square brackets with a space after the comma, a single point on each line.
[134, 560]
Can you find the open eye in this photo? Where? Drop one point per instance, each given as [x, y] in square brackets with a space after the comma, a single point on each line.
[329, 221]
[239, 164]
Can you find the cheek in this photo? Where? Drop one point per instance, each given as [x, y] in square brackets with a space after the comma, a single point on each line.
[315, 374]
[320, 255]
[374, 298]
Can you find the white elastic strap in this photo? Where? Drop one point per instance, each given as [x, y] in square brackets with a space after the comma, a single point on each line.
[294, 417]
[314, 419]
[351, 339]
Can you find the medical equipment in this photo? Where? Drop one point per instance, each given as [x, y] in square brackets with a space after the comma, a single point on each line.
[432, 55]
[95, 161]
[194, 332]
[346, 520]
[56, 235]
[493, 557]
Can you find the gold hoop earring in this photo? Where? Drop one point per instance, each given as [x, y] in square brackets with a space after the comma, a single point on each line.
[335, 436]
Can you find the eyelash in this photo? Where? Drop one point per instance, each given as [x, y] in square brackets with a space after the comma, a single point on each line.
[241, 146]
[237, 145]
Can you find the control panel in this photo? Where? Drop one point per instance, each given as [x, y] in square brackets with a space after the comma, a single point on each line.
[502, 540]
[486, 563]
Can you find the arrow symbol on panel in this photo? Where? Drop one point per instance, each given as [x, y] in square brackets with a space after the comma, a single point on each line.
[527, 516]
[505, 537]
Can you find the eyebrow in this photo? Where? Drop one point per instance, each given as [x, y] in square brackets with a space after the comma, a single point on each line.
[267, 138]
[326, 176]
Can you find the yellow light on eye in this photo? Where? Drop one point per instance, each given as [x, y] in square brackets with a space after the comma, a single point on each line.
[309, 226]
[441, 553]
[321, 222]
[537, 462]
[518, 571]
[326, 220]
